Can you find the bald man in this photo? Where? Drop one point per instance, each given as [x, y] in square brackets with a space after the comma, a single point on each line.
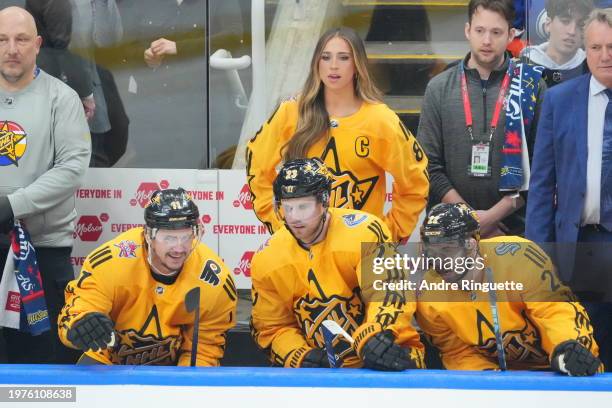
[44, 151]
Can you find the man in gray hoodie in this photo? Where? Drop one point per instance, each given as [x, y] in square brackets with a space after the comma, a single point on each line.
[562, 55]
[44, 151]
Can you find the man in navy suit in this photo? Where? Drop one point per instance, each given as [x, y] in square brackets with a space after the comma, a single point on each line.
[570, 192]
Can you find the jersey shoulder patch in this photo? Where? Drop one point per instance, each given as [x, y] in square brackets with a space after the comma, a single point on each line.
[507, 248]
[127, 248]
[352, 220]
[210, 273]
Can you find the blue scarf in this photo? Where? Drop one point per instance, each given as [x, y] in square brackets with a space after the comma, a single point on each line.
[520, 110]
[34, 317]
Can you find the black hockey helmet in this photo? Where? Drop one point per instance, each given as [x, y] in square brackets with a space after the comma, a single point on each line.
[303, 178]
[171, 209]
[450, 222]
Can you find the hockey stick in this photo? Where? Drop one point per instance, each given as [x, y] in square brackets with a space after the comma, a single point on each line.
[331, 329]
[501, 354]
[192, 304]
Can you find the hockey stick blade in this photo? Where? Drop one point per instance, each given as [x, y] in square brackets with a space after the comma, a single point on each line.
[192, 305]
[335, 329]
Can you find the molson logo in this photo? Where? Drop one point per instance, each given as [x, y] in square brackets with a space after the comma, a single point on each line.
[244, 267]
[144, 192]
[244, 198]
[89, 227]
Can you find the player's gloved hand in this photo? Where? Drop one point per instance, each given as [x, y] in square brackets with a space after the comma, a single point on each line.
[315, 358]
[381, 353]
[572, 358]
[6, 215]
[94, 331]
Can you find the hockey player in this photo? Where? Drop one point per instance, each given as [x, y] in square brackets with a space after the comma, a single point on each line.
[540, 325]
[340, 118]
[309, 272]
[137, 297]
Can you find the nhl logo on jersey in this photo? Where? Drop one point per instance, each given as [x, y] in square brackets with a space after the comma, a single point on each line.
[348, 191]
[145, 349]
[311, 311]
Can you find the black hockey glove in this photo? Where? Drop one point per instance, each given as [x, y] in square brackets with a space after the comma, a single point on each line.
[315, 358]
[381, 353]
[6, 215]
[573, 359]
[92, 332]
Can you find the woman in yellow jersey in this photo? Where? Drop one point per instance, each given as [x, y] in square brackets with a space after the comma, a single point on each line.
[339, 118]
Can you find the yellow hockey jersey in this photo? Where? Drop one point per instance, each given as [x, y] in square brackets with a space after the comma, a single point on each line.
[358, 152]
[152, 325]
[532, 320]
[296, 289]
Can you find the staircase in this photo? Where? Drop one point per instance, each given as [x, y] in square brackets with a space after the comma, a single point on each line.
[408, 42]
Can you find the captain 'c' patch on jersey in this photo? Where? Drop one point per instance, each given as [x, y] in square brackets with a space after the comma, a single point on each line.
[362, 146]
[13, 143]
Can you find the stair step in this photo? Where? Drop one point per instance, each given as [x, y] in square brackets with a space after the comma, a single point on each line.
[423, 3]
[404, 105]
[416, 50]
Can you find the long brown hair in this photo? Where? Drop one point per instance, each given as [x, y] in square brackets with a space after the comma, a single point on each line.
[313, 119]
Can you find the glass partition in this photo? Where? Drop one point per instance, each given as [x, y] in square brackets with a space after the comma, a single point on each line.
[170, 83]
[407, 44]
[140, 69]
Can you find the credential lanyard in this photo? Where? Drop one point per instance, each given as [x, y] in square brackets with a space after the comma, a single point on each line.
[467, 107]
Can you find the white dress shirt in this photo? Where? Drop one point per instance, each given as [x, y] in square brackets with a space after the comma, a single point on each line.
[598, 102]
